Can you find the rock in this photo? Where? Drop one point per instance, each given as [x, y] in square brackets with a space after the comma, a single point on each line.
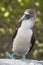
[20, 62]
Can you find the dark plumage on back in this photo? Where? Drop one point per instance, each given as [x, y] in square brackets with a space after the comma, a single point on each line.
[14, 34]
[32, 42]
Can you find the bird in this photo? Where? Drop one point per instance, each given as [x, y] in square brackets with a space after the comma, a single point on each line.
[23, 37]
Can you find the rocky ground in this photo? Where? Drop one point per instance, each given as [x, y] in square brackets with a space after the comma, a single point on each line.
[20, 62]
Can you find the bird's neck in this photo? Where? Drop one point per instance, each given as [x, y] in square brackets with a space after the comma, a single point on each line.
[27, 24]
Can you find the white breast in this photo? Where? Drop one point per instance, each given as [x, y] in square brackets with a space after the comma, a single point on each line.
[22, 40]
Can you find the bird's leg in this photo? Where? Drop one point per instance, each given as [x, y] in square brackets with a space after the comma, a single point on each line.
[10, 55]
[14, 56]
[23, 56]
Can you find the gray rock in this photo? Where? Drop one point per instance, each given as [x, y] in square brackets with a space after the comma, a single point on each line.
[20, 62]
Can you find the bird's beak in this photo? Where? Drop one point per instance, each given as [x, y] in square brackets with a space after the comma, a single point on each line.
[22, 18]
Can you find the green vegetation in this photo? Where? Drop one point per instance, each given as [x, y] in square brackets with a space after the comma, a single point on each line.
[10, 12]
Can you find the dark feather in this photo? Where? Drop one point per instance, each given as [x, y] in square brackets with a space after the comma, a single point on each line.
[32, 42]
[14, 34]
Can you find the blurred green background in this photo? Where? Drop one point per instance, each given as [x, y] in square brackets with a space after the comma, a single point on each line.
[10, 12]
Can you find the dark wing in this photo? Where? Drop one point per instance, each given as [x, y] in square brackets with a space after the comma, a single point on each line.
[32, 42]
[14, 34]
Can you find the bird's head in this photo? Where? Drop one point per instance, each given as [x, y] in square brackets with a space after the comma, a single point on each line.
[28, 17]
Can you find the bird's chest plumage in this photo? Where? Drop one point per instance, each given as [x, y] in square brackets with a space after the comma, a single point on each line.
[22, 40]
[25, 35]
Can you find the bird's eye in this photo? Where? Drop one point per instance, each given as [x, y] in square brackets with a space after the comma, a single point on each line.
[27, 16]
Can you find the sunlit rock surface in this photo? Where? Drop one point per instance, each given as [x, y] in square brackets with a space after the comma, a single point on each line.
[20, 62]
